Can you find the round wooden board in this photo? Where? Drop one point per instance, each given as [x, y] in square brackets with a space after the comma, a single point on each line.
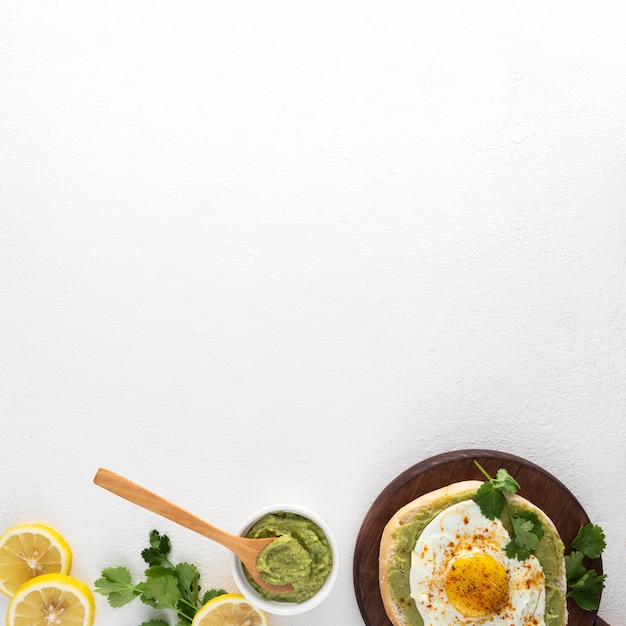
[536, 485]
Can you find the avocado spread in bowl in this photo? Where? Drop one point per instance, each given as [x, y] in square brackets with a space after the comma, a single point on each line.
[301, 556]
[304, 555]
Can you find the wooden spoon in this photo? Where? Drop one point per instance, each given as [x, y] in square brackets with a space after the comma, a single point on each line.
[246, 549]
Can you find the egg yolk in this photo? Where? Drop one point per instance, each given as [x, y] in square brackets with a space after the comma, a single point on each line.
[477, 585]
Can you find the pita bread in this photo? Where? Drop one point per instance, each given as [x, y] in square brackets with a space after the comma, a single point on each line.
[432, 503]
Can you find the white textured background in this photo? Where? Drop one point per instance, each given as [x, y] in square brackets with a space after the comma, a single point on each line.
[264, 251]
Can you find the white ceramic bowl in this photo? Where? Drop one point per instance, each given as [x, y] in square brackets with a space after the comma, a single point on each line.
[273, 606]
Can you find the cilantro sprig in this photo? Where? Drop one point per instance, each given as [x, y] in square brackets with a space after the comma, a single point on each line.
[584, 585]
[166, 585]
[527, 531]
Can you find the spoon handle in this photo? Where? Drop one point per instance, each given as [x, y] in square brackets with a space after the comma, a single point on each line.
[127, 489]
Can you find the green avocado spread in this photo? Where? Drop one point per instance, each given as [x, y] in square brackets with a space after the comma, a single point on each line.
[549, 552]
[301, 556]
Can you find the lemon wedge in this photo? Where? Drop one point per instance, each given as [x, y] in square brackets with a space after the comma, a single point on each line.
[30, 550]
[52, 599]
[230, 609]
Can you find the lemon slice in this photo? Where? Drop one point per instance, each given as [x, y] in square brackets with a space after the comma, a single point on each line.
[30, 550]
[52, 600]
[230, 609]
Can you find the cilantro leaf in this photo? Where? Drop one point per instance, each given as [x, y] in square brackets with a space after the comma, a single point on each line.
[534, 518]
[212, 593]
[514, 551]
[115, 583]
[585, 591]
[160, 547]
[590, 540]
[527, 531]
[188, 580]
[574, 568]
[505, 482]
[490, 500]
[154, 622]
[158, 570]
[523, 529]
[161, 592]
[185, 613]
[160, 542]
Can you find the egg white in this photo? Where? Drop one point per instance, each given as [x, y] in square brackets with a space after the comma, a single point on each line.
[462, 529]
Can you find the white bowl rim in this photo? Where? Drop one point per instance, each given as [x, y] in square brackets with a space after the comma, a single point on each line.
[273, 606]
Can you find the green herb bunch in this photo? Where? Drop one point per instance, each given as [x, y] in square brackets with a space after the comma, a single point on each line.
[166, 585]
[527, 531]
[583, 585]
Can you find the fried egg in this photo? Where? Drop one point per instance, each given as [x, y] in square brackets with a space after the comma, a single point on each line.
[461, 575]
